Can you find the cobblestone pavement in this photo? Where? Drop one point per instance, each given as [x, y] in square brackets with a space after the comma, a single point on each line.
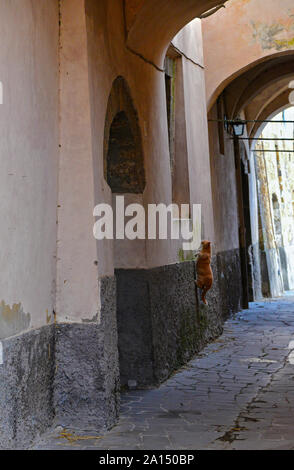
[238, 393]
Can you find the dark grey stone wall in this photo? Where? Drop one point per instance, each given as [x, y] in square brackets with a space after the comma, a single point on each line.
[68, 374]
[110, 350]
[211, 316]
[230, 282]
[86, 384]
[161, 321]
[63, 374]
[26, 387]
[134, 327]
[175, 325]
[181, 323]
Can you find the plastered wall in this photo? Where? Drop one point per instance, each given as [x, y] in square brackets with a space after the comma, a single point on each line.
[94, 53]
[245, 32]
[28, 153]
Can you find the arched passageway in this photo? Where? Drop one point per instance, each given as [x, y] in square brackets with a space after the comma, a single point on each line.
[255, 97]
[243, 34]
[274, 153]
[131, 39]
[106, 137]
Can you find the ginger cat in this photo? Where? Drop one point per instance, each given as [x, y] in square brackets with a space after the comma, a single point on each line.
[204, 278]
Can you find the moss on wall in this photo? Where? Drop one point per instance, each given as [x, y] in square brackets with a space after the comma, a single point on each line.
[13, 320]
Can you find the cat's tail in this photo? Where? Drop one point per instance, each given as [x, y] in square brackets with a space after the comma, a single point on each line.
[203, 294]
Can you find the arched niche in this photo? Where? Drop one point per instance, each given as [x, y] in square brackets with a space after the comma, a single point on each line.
[123, 154]
[124, 169]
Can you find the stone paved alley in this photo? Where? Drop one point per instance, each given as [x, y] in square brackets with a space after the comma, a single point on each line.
[238, 393]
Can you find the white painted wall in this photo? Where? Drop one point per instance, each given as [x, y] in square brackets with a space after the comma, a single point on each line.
[189, 42]
[28, 155]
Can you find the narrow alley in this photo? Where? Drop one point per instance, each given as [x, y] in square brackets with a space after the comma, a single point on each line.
[238, 393]
[146, 225]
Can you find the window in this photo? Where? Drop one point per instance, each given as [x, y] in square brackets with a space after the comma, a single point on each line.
[170, 78]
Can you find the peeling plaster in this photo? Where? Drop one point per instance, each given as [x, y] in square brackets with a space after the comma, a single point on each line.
[188, 256]
[274, 35]
[91, 320]
[13, 320]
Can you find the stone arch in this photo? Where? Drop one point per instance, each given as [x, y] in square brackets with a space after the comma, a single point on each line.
[255, 93]
[263, 38]
[277, 105]
[247, 85]
[155, 22]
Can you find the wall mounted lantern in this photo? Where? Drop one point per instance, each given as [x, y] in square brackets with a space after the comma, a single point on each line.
[235, 126]
[238, 127]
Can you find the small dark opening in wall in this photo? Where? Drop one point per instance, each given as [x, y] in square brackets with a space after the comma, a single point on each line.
[123, 153]
[170, 77]
[125, 170]
[168, 92]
